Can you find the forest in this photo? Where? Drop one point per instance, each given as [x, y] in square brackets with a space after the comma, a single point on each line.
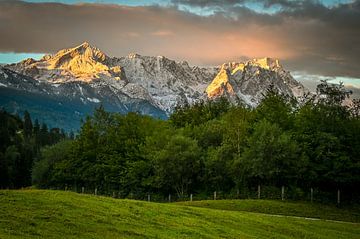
[20, 143]
[206, 147]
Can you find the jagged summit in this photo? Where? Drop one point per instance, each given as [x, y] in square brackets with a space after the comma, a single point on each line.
[155, 83]
[78, 58]
[133, 55]
[83, 49]
[80, 63]
[85, 44]
[28, 61]
[248, 81]
[266, 63]
[220, 85]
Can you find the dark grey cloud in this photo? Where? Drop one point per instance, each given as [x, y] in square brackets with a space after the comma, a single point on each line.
[282, 3]
[285, 4]
[305, 36]
[288, 4]
[208, 3]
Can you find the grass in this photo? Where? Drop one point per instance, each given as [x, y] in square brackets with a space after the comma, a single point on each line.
[57, 214]
[297, 209]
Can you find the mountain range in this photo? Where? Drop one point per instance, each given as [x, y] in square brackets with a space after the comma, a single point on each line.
[61, 89]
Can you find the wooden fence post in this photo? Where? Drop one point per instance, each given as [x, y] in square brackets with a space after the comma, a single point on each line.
[148, 197]
[190, 197]
[95, 191]
[259, 191]
[311, 195]
[338, 197]
[215, 195]
[169, 197]
[82, 189]
[114, 196]
[282, 193]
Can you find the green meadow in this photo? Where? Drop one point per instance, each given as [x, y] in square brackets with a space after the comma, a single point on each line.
[58, 214]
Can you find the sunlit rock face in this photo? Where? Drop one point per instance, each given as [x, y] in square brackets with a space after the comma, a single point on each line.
[81, 63]
[152, 85]
[221, 85]
[266, 63]
[249, 81]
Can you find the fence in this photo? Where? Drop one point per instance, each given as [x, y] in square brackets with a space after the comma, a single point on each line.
[260, 192]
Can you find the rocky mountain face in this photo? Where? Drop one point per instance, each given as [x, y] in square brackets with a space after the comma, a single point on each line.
[248, 81]
[78, 79]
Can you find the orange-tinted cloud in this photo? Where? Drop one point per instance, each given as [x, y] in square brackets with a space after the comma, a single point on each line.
[309, 38]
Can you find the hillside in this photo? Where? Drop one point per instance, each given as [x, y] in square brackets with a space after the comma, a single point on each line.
[283, 208]
[56, 214]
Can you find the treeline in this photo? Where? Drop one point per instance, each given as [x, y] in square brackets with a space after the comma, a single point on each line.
[213, 146]
[20, 143]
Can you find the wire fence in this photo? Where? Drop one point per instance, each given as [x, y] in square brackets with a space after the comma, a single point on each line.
[336, 196]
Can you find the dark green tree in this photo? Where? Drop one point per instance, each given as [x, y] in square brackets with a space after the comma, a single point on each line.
[178, 165]
[272, 156]
[28, 127]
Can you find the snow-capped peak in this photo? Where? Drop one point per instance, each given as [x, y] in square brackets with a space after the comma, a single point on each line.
[248, 81]
[81, 63]
[161, 82]
[77, 57]
[133, 55]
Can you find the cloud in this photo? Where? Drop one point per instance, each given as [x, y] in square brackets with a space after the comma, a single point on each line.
[208, 3]
[305, 36]
[286, 4]
[163, 33]
[311, 82]
[133, 34]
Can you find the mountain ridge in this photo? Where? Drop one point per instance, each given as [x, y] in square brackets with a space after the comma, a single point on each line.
[153, 83]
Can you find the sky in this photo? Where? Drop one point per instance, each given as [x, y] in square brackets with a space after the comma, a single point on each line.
[318, 38]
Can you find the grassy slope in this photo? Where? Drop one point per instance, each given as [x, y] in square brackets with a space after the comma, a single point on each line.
[299, 209]
[56, 214]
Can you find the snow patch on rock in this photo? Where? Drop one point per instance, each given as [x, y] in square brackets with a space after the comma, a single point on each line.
[95, 100]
